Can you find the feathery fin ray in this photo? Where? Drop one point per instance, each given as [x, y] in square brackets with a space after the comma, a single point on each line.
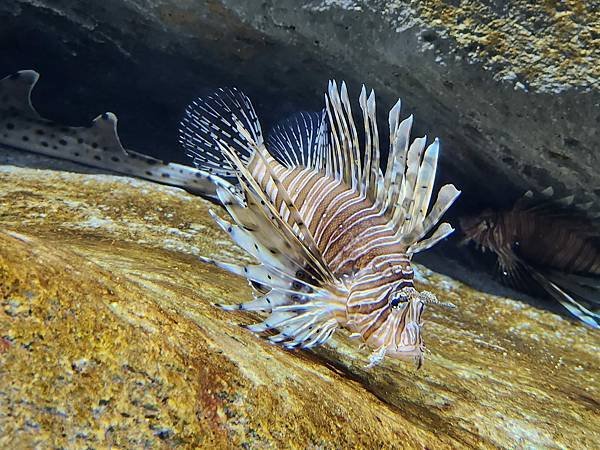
[274, 210]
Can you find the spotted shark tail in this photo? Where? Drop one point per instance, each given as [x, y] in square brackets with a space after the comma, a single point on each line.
[22, 128]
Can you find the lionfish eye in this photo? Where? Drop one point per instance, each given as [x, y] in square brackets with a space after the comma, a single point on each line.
[397, 298]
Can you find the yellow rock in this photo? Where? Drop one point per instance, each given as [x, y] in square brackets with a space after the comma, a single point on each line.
[108, 338]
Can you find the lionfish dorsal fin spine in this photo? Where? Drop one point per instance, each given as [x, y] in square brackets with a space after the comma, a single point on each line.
[371, 169]
[393, 120]
[345, 135]
[337, 132]
[446, 196]
[355, 165]
[441, 232]
[344, 151]
[375, 174]
[394, 176]
[362, 101]
[334, 163]
[424, 183]
[407, 191]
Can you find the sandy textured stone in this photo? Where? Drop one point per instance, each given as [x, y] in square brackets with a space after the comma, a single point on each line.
[542, 46]
[108, 337]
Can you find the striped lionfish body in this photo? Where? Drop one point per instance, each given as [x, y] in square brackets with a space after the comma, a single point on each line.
[538, 241]
[334, 237]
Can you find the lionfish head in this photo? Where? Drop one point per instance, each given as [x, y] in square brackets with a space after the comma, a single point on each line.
[479, 229]
[407, 308]
[395, 330]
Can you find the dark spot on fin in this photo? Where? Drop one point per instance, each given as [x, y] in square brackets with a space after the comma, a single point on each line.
[16, 91]
[103, 133]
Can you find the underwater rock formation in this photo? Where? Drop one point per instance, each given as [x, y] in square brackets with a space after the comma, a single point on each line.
[511, 88]
[108, 336]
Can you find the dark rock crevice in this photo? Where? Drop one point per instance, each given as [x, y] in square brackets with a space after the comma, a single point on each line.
[146, 60]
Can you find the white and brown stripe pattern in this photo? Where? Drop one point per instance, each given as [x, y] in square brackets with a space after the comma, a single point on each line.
[333, 236]
[539, 240]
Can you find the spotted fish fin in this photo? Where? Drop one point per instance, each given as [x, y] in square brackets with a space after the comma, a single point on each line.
[300, 140]
[15, 92]
[579, 299]
[103, 134]
[214, 122]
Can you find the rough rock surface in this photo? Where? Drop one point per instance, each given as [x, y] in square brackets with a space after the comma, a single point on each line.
[108, 338]
[511, 88]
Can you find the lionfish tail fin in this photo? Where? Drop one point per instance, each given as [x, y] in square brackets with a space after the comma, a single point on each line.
[222, 120]
[577, 294]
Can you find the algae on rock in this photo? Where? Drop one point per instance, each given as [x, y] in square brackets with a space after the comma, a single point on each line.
[108, 336]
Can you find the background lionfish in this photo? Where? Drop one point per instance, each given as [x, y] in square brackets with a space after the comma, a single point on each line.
[540, 242]
[333, 236]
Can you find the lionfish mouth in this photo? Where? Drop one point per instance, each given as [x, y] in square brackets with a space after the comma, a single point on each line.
[406, 352]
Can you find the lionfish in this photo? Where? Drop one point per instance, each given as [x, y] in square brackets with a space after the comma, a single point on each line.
[541, 241]
[334, 237]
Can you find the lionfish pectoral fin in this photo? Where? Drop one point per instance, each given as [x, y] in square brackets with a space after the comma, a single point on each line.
[303, 325]
[514, 272]
[294, 229]
[586, 287]
[577, 298]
